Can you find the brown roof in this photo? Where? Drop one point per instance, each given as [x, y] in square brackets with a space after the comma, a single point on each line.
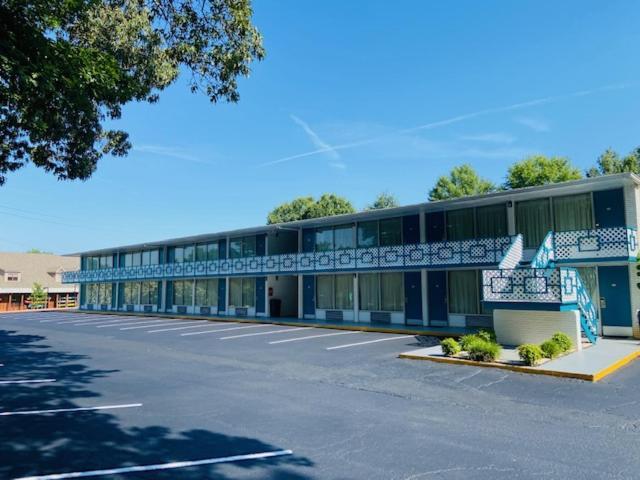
[35, 267]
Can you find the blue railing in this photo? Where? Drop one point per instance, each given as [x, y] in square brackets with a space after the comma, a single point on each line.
[474, 252]
[616, 243]
[573, 287]
[545, 256]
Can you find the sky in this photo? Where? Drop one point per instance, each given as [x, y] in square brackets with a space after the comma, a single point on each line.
[353, 98]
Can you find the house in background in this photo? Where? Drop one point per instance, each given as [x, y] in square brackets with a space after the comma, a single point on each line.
[19, 271]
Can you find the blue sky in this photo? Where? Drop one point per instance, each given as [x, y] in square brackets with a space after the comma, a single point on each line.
[354, 98]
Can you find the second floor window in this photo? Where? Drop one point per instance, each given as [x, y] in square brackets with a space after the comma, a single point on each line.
[240, 247]
[334, 238]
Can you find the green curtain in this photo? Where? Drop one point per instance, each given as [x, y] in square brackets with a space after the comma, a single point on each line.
[212, 292]
[235, 292]
[343, 292]
[248, 292]
[491, 221]
[343, 237]
[460, 224]
[463, 292]
[573, 212]
[368, 291]
[391, 294]
[201, 292]
[324, 292]
[533, 221]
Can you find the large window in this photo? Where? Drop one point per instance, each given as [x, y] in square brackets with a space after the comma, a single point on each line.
[533, 221]
[149, 293]
[183, 254]
[99, 262]
[573, 212]
[104, 293]
[460, 224]
[131, 293]
[242, 247]
[334, 292]
[242, 292]
[491, 221]
[183, 292]
[150, 257]
[207, 292]
[380, 233]
[92, 293]
[335, 238]
[207, 252]
[381, 291]
[463, 292]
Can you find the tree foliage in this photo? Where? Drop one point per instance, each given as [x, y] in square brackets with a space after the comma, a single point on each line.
[540, 170]
[38, 297]
[462, 181]
[383, 200]
[610, 162]
[303, 208]
[68, 67]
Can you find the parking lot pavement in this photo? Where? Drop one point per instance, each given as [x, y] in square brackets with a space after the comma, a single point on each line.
[131, 402]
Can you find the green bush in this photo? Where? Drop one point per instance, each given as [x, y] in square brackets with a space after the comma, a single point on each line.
[487, 335]
[563, 341]
[482, 351]
[550, 349]
[467, 340]
[450, 347]
[530, 353]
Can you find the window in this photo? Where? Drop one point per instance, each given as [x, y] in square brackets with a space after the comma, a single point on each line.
[334, 292]
[533, 221]
[131, 293]
[98, 262]
[324, 240]
[324, 292]
[12, 276]
[149, 293]
[183, 292]
[104, 293]
[381, 291]
[178, 254]
[242, 292]
[207, 292]
[334, 238]
[573, 212]
[206, 251]
[242, 247]
[460, 224]
[463, 292]
[92, 294]
[391, 232]
[491, 221]
[189, 253]
[150, 257]
[368, 234]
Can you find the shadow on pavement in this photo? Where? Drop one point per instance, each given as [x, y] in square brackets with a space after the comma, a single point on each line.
[59, 443]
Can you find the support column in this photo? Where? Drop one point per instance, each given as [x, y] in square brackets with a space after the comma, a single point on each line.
[511, 218]
[356, 298]
[425, 306]
[300, 297]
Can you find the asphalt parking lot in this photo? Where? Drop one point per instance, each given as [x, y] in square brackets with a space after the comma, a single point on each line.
[87, 392]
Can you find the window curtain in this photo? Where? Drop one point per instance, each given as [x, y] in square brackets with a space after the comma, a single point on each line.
[573, 212]
[248, 292]
[212, 292]
[533, 221]
[368, 291]
[235, 292]
[368, 234]
[343, 237]
[460, 224]
[391, 294]
[201, 292]
[463, 292]
[391, 232]
[343, 292]
[491, 221]
[324, 292]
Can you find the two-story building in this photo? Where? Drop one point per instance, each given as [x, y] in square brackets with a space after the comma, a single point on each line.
[513, 260]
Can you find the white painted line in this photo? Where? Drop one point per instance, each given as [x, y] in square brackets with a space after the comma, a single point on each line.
[62, 410]
[103, 322]
[161, 466]
[148, 322]
[262, 325]
[88, 320]
[370, 341]
[265, 333]
[12, 382]
[297, 339]
[206, 324]
[144, 325]
[183, 322]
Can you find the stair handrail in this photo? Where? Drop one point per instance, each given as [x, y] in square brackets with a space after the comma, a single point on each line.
[588, 311]
[545, 255]
[513, 255]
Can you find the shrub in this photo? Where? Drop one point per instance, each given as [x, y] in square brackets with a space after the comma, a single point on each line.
[550, 349]
[487, 335]
[450, 347]
[482, 351]
[530, 353]
[466, 340]
[563, 341]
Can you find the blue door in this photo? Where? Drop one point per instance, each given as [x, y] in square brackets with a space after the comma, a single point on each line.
[435, 226]
[308, 240]
[260, 294]
[411, 229]
[615, 299]
[437, 297]
[413, 298]
[309, 295]
[608, 206]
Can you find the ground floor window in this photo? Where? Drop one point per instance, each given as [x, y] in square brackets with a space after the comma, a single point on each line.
[334, 292]
[131, 293]
[207, 292]
[381, 291]
[463, 292]
[149, 293]
[242, 292]
[183, 292]
[99, 293]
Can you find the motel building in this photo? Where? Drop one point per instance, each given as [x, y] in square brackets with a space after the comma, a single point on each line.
[526, 262]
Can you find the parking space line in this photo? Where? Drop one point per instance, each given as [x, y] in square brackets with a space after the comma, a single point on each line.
[182, 322]
[262, 325]
[82, 320]
[370, 341]
[142, 325]
[65, 410]
[265, 333]
[12, 382]
[297, 339]
[204, 324]
[148, 322]
[161, 466]
[104, 322]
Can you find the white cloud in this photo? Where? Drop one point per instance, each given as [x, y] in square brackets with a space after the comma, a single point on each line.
[320, 144]
[536, 124]
[171, 152]
[498, 137]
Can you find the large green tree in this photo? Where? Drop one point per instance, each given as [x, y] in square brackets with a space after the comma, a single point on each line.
[383, 200]
[303, 208]
[67, 67]
[610, 162]
[462, 181]
[540, 170]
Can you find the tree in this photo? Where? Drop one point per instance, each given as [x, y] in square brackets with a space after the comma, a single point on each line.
[540, 170]
[383, 200]
[37, 250]
[303, 208]
[462, 181]
[610, 162]
[38, 298]
[68, 67]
